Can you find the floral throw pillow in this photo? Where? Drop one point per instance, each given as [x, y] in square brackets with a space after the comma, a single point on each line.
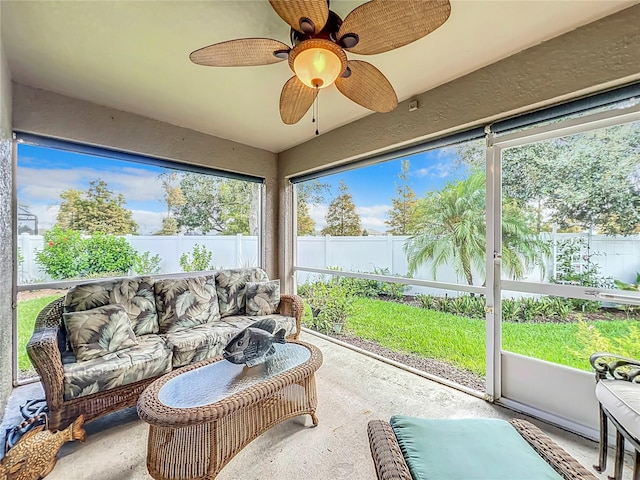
[183, 303]
[230, 285]
[263, 298]
[99, 331]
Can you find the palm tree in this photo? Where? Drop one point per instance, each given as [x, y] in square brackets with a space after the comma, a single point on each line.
[453, 232]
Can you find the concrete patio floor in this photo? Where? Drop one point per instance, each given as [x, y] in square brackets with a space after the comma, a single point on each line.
[352, 389]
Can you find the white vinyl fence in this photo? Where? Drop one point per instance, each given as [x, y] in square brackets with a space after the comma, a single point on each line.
[618, 257]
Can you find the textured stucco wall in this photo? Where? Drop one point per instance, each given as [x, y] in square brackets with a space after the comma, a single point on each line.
[6, 232]
[602, 52]
[50, 114]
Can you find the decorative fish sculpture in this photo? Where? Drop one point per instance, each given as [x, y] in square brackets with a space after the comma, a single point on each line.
[255, 343]
[34, 456]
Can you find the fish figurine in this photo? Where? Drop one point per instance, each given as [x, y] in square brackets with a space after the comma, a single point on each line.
[255, 343]
[34, 456]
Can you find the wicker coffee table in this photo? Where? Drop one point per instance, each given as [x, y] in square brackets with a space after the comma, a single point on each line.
[201, 415]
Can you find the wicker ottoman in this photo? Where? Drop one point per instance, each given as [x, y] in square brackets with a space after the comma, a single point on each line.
[479, 449]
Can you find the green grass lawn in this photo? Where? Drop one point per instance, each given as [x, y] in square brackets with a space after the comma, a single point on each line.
[431, 334]
[461, 340]
[27, 312]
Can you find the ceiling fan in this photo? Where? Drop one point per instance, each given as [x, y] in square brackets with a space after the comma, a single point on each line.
[320, 38]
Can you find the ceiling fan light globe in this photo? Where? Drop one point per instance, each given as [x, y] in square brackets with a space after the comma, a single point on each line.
[317, 62]
[317, 67]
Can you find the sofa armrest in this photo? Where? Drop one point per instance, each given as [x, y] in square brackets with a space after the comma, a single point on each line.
[292, 306]
[44, 351]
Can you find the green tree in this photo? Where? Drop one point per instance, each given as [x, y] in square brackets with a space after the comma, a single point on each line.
[588, 180]
[452, 231]
[96, 210]
[402, 216]
[342, 219]
[308, 193]
[169, 227]
[173, 197]
[215, 204]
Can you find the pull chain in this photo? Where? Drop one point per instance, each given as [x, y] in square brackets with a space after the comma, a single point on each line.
[317, 111]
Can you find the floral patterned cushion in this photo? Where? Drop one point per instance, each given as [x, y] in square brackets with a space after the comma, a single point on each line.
[208, 341]
[263, 298]
[231, 284]
[99, 331]
[150, 358]
[135, 293]
[186, 302]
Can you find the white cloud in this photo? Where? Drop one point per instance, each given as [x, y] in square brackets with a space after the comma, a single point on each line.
[372, 217]
[438, 170]
[46, 184]
[318, 214]
[148, 222]
[46, 214]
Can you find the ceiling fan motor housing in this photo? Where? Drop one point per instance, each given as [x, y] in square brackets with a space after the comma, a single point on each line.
[328, 32]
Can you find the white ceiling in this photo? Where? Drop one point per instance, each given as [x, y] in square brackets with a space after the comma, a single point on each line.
[134, 56]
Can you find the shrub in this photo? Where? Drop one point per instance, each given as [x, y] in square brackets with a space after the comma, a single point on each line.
[510, 310]
[591, 341]
[63, 255]
[471, 306]
[108, 253]
[145, 264]
[576, 268]
[338, 305]
[198, 260]
[364, 287]
[67, 255]
[526, 309]
[331, 303]
[430, 302]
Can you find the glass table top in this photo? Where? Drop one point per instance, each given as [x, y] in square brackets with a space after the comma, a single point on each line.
[216, 381]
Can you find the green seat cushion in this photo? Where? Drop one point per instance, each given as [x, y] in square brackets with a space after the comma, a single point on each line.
[467, 449]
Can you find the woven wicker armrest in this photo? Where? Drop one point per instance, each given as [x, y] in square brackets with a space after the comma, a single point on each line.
[563, 463]
[386, 453]
[615, 366]
[292, 306]
[45, 356]
[44, 352]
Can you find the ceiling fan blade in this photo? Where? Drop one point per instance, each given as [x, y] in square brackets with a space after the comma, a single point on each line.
[243, 52]
[298, 13]
[368, 87]
[382, 25]
[295, 100]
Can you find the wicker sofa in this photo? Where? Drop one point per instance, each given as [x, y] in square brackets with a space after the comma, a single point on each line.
[97, 348]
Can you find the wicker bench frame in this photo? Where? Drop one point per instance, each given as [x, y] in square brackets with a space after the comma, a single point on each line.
[44, 351]
[196, 443]
[391, 465]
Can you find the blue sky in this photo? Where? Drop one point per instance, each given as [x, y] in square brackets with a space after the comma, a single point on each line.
[43, 173]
